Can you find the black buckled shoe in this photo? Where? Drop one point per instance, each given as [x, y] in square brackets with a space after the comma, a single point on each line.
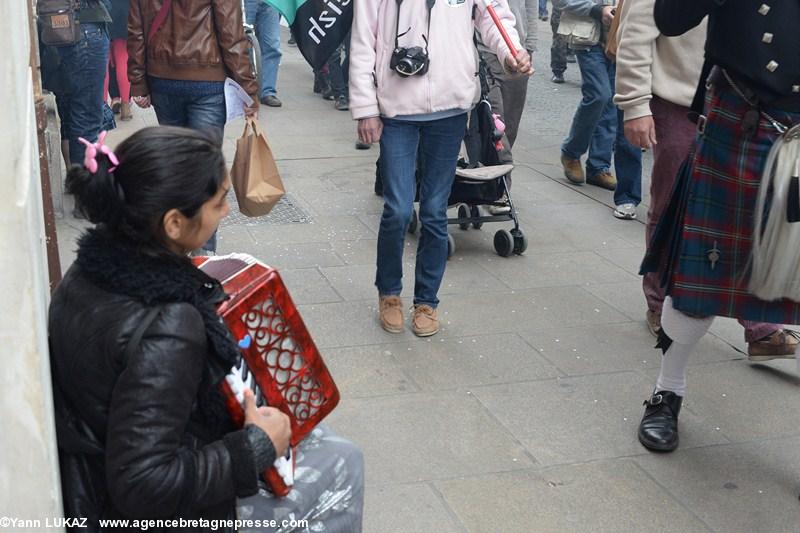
[658, 430]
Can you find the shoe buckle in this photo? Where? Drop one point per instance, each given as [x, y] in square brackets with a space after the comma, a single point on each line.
[655, 399]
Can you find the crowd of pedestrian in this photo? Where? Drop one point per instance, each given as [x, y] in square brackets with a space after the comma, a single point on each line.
[658, 75]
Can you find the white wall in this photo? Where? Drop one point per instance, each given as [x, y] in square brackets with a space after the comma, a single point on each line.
[29, 486]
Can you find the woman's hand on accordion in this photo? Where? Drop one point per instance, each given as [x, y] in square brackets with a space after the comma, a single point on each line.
[273, 422]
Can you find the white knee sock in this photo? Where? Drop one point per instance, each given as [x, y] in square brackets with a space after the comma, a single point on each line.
[685, 333]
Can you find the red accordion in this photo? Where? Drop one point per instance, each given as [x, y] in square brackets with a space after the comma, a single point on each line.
[280, 362]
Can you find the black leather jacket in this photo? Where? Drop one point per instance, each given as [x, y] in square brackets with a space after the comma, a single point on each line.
[159, 461]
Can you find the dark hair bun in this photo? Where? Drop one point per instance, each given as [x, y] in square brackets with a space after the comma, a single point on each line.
[97, 195]
[160, 168]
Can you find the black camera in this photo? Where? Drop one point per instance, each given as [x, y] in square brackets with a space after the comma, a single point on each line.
[409, 61]
[412, 61]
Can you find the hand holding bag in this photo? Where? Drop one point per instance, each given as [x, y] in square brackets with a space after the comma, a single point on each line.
[256, 181]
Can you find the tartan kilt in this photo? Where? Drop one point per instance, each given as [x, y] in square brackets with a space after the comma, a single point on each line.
[717, 204]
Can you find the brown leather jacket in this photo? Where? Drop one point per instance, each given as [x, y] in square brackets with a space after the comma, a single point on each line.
[200, 40]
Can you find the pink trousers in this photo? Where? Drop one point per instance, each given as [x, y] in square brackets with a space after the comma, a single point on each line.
[118, 58]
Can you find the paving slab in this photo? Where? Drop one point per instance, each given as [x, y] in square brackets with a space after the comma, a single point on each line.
[473, 243]
[364, 251]
[537, 190]
[357, 282]
[609, 496]
[69, 230]
[614, 348]
[298, 255]
[446, 364]
[235, 240]
[353, 282]
[557, 270]
[405, 508]
[363, 371]
[321, 229]
[343, 203]
[570, 420]
[309, 286]
[588, 237]
[335, 325]
[746, 401]
[315, 172]
[748, 488]
[628, 258]
[427, 436]
[625, 297]
[474, 314]
[731, 331]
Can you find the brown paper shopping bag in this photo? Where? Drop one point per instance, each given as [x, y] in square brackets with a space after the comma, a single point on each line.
[256, 181]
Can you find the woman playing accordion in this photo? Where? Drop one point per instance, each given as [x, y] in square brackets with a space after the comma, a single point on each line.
[140, 358]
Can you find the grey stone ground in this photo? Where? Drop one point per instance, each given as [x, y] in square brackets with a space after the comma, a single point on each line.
[521, 415]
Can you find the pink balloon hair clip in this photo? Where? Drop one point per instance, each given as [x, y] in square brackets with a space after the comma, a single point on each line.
[92, 149]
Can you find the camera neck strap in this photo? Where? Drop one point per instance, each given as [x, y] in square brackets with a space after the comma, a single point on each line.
[429, 5]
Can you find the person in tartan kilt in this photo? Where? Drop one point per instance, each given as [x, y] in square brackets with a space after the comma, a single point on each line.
[750, 86]
[657, 78]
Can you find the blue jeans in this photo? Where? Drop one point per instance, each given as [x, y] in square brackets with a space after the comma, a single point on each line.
[204, 112]
[440, 141]
[542, 8]
[266, 21]
[597, 127]
[82, 71]
[195, 112]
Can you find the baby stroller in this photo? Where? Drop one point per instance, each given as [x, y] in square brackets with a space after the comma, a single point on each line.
[480, 180]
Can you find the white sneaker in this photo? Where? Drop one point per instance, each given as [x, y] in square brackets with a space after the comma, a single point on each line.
[499, 209]
[625, 211]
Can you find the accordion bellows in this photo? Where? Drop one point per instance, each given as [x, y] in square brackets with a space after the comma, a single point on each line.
[280, 362]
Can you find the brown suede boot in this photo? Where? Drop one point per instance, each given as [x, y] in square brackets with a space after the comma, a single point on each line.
[604, 179]
[573, 170]
[390, 309]
[424, 321]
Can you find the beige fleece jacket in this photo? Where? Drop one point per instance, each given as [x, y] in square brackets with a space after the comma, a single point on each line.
[649, 63]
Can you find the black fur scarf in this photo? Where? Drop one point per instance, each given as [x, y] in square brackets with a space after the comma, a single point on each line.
[121, 267]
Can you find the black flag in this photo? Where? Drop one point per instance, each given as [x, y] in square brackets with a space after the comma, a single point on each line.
[318, 26]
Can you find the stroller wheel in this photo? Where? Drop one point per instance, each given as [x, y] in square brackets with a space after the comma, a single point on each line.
[520, 241]
[414, 223]
[475, 216]
[503, 243]
[463, 214]
[451, 246]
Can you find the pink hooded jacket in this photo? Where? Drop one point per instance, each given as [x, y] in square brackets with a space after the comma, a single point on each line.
[451, 81]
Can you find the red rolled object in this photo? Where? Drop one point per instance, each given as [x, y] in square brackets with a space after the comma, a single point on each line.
[499, 24]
